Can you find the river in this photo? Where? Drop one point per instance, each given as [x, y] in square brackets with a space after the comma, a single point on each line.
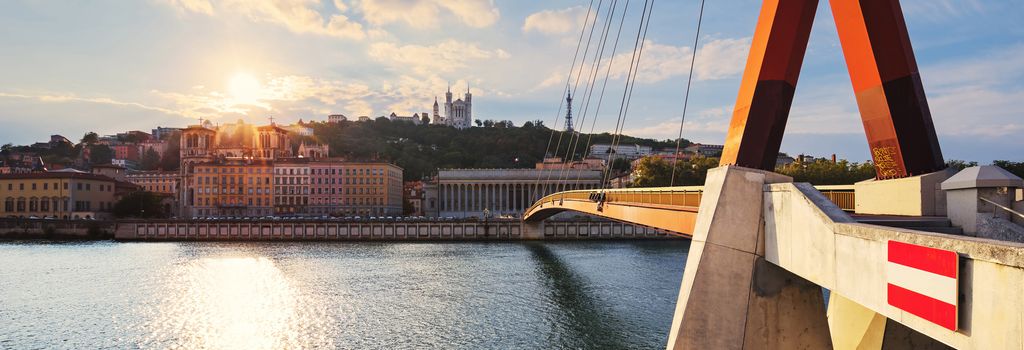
[355, 295]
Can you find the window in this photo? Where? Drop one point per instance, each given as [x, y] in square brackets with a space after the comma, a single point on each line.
[65, 185]
[46, 186]
[78, 186]
[33, 186]
[9, 204]
[21, 187]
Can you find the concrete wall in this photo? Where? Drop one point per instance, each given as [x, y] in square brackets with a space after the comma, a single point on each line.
[898, 196]
[809, 236]
[503, 230]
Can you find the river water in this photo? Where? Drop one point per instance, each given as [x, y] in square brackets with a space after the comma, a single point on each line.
[553, 295]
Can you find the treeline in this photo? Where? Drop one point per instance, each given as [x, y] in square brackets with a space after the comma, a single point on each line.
[422, 149]
[89, 152]
[657, 172]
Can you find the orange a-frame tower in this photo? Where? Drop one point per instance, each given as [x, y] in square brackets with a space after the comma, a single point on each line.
[883, 70]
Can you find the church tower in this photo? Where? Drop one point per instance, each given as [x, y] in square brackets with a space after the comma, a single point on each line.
[437, 114]
[469, 107]
[448, 106]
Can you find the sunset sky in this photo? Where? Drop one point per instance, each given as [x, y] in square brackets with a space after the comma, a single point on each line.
[109, 66]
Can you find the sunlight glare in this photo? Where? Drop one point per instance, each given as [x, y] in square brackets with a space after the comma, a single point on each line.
[245, 88]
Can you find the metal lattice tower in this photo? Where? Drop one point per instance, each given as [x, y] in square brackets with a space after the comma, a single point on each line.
[568, 112]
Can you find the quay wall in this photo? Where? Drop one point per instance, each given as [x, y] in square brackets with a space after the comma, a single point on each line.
[379, 231]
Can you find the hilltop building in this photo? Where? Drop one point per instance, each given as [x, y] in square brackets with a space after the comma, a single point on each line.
[629, 152]
[458, 113]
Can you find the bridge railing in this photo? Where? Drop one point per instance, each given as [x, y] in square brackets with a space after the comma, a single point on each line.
[842, 195]
[688, 196]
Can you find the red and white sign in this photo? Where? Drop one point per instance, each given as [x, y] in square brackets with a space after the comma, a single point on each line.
[923, 282]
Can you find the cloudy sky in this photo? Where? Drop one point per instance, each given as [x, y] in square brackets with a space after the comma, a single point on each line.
[108, 66]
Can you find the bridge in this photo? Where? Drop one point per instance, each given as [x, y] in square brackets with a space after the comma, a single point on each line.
[920, 257]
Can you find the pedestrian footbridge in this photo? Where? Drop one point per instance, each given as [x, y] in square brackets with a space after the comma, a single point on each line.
[764, 249]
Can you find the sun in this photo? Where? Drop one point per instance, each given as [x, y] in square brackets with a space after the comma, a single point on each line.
[245, 88]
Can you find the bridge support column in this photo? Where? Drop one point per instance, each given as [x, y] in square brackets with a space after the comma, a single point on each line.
[731, 297]
[532, 230]
[854, 326]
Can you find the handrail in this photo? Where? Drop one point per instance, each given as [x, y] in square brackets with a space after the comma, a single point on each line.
[842, 195]
[1000, 206]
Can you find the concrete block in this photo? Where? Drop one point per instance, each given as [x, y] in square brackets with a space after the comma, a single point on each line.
[861, 265]
[784, 311]
[853, 326]
[912, 196]
[716, 301]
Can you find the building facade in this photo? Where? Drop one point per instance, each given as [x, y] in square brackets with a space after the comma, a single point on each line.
[62, 195]
[354, 188]
[233, 188]
[457, 113]
[630, 152]
[291, 186]
[469, 192]
[165, 182]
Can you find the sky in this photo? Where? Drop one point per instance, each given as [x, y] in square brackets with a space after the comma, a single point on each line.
[110, 66]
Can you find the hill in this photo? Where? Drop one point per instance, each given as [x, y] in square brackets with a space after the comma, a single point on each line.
[422, 149]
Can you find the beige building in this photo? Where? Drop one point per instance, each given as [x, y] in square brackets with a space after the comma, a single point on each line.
[233, 188]
[62, 195]
[165, 182]
[468, 192]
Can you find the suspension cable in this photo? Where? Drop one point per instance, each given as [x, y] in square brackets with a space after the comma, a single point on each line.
[568, 79]
[627, 92]
[600, 99]
[575, 136]
[686, 98]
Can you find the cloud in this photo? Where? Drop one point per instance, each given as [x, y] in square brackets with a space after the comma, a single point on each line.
[298, 16]
[556, 21]
[64, 98]
[940, 10]
[427, 13]
[197, 6]
[717, 59]
[446, 56]
[706, 124]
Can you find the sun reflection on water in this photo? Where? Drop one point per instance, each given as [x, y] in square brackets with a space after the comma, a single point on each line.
[238, 303]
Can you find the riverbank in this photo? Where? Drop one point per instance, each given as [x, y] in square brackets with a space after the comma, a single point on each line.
[324, 230]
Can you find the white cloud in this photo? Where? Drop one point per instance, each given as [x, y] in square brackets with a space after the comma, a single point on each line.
[446, 56]
[556, 21]
[427, 13]
[717, 59]
[197, 6]
[939, 10]
[65, 98]
[298, 16]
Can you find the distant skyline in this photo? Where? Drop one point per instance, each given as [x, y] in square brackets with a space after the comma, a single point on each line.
[111, 66]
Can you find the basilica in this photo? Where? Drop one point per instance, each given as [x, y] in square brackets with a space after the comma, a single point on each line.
[458, 113]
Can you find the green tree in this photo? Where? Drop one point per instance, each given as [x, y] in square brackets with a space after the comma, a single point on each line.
[825, 172]
[1017, 168]
[960, 164]
[100, 154]
[150, 160]
[139, 204]
[90, 138]
[172, 156]
[657, 172]
[621, 165]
